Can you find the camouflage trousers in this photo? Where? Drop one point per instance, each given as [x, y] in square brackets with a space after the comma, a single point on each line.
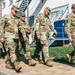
[73, 38]
[38, 49]
[26, 47]
[45, 50]
[11, 45]
[73, 44]
[73, 52]
[28, 55]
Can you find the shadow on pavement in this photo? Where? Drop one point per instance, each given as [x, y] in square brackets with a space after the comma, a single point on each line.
[22, 58]
[64, 61]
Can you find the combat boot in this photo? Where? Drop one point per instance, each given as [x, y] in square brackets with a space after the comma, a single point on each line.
[31, 62]
[36, 58]
[17, 67]
[69, 57]
[18, 62]
[8, 65]
[41, 61]
[49, 63]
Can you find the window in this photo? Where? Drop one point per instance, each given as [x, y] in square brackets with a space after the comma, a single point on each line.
[3, 4]
[11, 2]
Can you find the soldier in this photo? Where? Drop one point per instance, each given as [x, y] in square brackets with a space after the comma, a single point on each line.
[37, 41]
[42, 33]
[9, 25]
[70, 30]
[26, 42]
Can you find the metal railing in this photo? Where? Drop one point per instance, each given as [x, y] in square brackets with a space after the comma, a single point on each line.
[36, 3]
[61, 32]
[61, 35]
[59, 13]
[23, 6]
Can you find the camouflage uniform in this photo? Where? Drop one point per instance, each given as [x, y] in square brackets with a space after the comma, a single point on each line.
[25, 44]
[10, 33]
[44, 31]
[70, 30]
[9, 26]
[37, 41]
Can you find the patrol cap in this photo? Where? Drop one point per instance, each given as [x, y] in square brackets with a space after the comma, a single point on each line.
[15, 7]
[73, 6]
[47, 9]
[23, 14]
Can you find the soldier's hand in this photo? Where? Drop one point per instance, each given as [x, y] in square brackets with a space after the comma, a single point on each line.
[70, 39]
[27, 27]
[54, 34]
[38, 37]
[25, 38]
[33, 41]
[1, 39]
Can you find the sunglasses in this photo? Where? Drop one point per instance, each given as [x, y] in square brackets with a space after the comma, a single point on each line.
[16, 11]
[22, 16]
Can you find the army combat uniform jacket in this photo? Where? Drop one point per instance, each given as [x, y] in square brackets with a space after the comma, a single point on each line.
[70, 26]
[42, 29]
[44, 26]
[9, 26]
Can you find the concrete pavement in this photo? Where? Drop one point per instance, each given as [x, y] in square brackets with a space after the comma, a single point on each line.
[40, 69]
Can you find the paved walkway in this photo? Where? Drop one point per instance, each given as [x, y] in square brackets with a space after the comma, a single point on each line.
[39, 69]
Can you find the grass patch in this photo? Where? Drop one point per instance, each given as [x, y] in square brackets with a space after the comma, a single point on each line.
[58, 53]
